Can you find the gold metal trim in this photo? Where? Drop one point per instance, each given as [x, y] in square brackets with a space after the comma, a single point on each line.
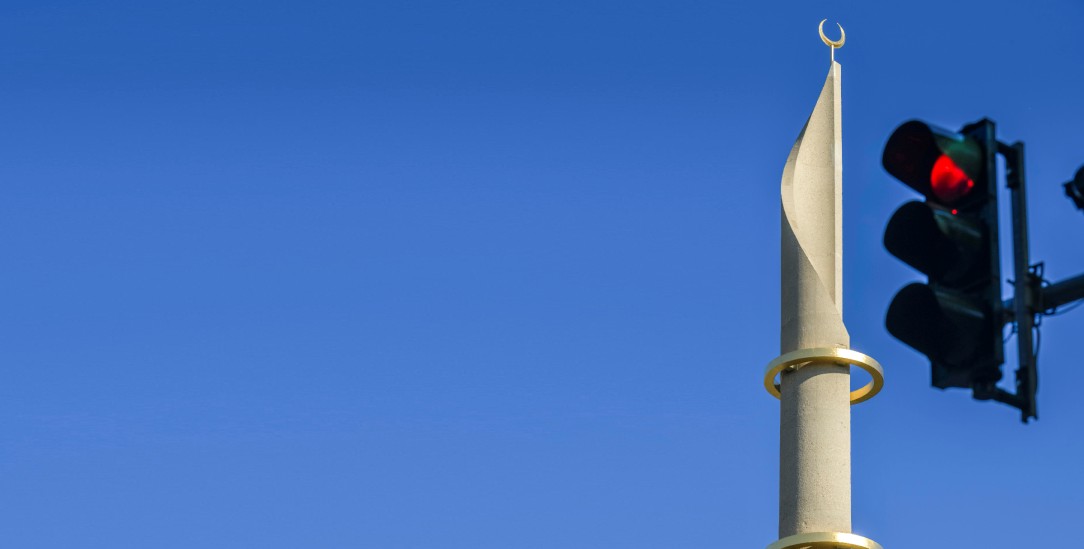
[846, 357]
[825, 540]
[834, 44]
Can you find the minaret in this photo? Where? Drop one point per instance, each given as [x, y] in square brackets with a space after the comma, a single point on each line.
[814, 365]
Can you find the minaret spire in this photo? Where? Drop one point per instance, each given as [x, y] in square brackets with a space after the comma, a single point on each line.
[814, 387]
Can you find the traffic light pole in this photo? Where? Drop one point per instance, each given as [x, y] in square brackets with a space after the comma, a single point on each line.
[1025, 286]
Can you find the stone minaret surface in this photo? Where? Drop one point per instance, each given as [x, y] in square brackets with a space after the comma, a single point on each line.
[814, 385]
[815, 414]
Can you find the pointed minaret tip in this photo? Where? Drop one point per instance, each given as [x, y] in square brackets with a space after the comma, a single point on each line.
[812, 227]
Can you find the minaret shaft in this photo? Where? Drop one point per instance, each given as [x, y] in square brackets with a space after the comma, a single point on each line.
[815, 451]
[815, 416]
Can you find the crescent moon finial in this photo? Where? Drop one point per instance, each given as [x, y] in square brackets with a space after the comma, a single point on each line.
[832, 43]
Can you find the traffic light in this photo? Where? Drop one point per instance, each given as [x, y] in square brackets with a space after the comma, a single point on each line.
[955, 318]
[1075, 189]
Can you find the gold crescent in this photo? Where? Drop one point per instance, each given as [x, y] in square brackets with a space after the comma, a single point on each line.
[831, 43]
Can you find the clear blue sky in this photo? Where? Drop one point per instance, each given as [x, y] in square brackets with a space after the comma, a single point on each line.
[434, 274]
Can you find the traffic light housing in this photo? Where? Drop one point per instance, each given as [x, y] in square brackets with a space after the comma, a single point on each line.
[955, 318]
[1074, 189]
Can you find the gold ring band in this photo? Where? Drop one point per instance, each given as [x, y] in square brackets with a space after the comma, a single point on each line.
[825, 540]
[796, 359]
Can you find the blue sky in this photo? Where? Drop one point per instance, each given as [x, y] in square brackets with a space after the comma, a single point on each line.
[488, 274]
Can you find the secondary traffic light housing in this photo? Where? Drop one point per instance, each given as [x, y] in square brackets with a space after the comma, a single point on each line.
[1074, 189]
[955, 318]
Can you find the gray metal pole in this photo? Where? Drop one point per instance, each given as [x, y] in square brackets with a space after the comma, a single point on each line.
[1054, 295]
[1062, 292]
[1027, 379]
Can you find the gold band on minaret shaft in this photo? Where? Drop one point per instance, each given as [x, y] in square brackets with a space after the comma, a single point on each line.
[831, 355]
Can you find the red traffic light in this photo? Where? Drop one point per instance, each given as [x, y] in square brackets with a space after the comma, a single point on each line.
[948, 182]
[940, 164]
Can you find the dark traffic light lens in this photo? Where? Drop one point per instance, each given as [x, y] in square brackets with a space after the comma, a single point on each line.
[948, 182]
[947, 248]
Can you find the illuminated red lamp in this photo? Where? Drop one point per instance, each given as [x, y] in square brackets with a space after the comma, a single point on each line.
[948, 182]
